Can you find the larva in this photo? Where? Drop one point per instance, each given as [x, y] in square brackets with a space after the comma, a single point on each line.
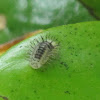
[41, 50]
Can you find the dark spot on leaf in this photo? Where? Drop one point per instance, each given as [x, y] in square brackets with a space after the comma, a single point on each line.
[71, 53]
[67, 92]
[89, 53]
[20, 46]
[12, 90]
[97, 45]
[90, 37]
[76, 55]
[35, 91]
[65, 65]
[93, 33]
[60, 32]
[68, 42]
[43, 69]
[70, 25]
[38, 97]
[4, 98]
[70, 47]
[91, 64]
[80, 48]
[75, 28]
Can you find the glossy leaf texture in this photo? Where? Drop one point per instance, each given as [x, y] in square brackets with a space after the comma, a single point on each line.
[93, 6]
[73, 75]
[28, 15]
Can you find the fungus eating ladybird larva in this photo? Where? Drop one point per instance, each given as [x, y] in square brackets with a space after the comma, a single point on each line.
[41, 50]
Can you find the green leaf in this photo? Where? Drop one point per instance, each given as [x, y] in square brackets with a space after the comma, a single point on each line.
[93, 6]
[28, 15]
[74, 75]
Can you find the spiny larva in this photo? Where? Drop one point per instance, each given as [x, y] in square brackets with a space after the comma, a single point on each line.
[41, 50]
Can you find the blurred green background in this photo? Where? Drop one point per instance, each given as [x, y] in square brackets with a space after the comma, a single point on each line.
[24, 16]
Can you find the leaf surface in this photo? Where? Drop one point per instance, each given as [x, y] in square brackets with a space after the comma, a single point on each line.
[74, 75]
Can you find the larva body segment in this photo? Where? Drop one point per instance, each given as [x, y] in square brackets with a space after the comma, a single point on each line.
[41, 52]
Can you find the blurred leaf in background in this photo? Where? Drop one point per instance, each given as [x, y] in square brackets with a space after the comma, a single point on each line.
[24, 16]
[93, 6]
